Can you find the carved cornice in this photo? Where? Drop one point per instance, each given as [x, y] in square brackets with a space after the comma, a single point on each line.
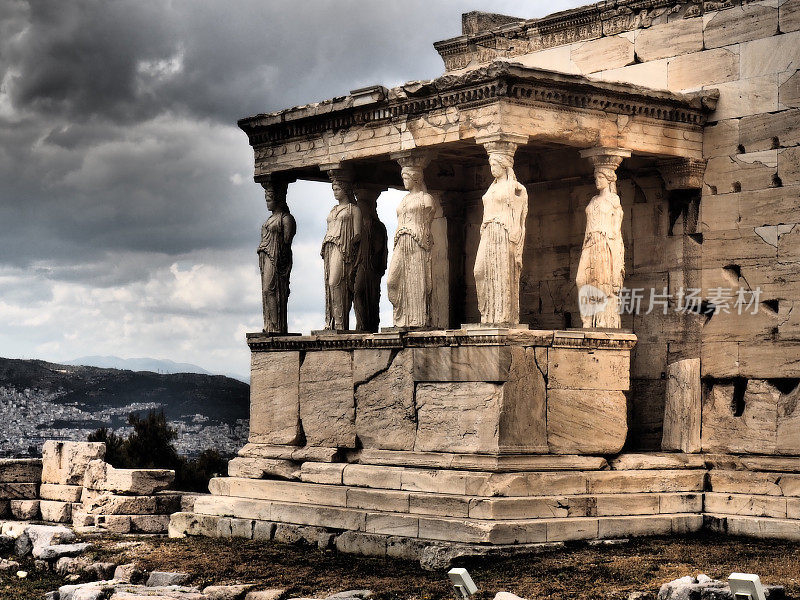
[586, 23]
[515, 83]
[563, 339]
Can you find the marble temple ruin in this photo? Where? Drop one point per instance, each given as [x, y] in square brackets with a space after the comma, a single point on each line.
[593, 279]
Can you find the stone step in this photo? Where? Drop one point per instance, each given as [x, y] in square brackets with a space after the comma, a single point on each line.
[732, 462]
[479, 483]
[479, 462]
[752, 505]
[505, 531]
[756, 483]
[427, 503]
[760, 527]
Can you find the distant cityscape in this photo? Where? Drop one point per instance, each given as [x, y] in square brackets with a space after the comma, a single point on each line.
[28, 417]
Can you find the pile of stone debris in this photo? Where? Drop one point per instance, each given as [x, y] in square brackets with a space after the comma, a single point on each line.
[172, 586]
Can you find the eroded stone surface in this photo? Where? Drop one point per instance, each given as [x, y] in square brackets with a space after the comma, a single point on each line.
[586, 421]
[682, 409]
[274, 397]
[386, 414]
[65, 462]
[458, 417]
[327, 408]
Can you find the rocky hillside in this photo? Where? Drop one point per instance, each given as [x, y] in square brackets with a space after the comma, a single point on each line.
[41, 400]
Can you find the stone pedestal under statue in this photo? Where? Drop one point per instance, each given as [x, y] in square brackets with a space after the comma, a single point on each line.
[393, 443]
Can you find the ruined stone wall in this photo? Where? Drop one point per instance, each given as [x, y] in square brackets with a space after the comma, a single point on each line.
[746, 234]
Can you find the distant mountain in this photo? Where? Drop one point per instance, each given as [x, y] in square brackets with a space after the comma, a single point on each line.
[41, 400]
[156, 365]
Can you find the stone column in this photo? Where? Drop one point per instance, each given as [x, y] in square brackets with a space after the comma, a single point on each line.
[498, 263]
[275, 256]
[601, 270]
[372, 255]
[340, 249]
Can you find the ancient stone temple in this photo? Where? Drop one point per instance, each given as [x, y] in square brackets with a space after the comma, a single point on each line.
[593, 279]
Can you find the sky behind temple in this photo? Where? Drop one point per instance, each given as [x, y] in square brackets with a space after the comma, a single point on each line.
[128, 214]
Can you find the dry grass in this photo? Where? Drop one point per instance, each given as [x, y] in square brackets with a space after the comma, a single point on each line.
[577, 572]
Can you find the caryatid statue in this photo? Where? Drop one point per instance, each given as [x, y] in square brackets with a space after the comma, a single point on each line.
[601, 270]
[498, 262]
[371, 264]
[275, 257]
[409, 280]
[340, 251]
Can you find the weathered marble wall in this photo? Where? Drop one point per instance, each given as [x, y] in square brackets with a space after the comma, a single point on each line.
[747, 233]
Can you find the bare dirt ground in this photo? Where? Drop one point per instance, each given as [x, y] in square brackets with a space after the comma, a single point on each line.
[578, 572]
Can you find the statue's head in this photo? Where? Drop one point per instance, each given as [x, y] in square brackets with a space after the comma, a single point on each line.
[605, 178]
[412, 177]
[342, 185]
[367, 197]
[500, 164]
[275, 194]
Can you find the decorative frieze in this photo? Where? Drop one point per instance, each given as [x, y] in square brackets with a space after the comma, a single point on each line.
[579, 25]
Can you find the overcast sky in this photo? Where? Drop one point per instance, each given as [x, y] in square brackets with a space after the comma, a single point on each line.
[128, 214]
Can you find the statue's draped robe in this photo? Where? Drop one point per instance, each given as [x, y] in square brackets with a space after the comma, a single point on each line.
[275, 262]
[409, 280]
[602, 262]
[340, 244]
[370, 268]
[498, 262]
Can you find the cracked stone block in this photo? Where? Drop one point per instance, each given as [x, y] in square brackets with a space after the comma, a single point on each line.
[385, 415]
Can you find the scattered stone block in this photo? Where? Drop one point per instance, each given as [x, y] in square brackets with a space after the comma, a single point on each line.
[20, 470]
[65, 462]
[128, 573]
[61, 493]
[273, 594]
[227, 592]
[51, 553]
[260, 468]
[56, 512]
[101, 476]
[25, 510]
[167, 578]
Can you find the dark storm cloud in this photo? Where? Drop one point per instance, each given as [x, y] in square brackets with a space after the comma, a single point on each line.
[128, 215]
[98, 152]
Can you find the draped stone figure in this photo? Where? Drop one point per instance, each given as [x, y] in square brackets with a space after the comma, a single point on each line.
[498, 262]
[409, 280]
[275, 257]
[601, 270]
[340, 252]
[371, 264]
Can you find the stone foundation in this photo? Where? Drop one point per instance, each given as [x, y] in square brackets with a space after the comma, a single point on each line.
[481, 391]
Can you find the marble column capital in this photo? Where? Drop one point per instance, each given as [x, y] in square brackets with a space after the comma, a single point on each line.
[412, 158]
[501, 139]
[608, 158]
[682, 173]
